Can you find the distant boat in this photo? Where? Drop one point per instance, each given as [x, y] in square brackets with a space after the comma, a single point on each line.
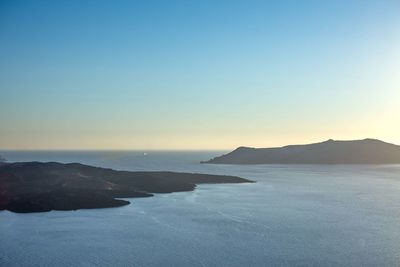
[144, 154]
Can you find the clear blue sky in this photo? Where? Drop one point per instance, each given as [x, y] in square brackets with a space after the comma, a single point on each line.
[197, 74]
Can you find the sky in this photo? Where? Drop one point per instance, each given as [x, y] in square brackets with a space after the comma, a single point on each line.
[197, 74]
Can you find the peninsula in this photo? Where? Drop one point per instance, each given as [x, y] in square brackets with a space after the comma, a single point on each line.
[38, 187]
[366, 151]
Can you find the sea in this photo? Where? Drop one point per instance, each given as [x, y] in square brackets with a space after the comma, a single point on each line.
[294, 215]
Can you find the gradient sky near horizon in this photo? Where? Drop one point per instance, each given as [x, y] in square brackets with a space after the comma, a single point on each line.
[197, 74]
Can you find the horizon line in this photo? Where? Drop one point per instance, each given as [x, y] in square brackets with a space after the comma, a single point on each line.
[185, 149]
[109, 149]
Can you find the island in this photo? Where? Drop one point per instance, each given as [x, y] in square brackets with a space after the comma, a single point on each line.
[39, 187]
[366, 151]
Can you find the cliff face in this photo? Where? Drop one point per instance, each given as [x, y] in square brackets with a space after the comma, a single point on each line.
[367, 151]
[36, 186]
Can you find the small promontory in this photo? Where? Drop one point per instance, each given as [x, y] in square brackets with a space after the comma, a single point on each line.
[38, 187]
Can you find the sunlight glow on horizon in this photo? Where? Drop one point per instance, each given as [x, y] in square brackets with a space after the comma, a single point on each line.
[197, 75]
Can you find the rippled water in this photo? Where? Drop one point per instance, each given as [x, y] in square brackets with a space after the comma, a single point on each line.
[295, 215]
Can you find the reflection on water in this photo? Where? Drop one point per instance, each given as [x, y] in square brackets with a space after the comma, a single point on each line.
[294, 215]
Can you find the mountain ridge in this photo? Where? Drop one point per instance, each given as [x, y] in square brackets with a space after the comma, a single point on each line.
[363, 151]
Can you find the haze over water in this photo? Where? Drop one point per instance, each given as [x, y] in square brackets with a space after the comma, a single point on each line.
[295, 215]
[198, 75]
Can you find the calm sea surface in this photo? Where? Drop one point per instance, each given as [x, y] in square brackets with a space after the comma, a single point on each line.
[295, 215]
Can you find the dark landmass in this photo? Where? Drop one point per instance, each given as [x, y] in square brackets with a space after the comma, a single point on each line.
[38, 187]
[2, 160]
[367, 151]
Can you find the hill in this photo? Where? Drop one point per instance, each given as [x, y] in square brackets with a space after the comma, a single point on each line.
[366, 151]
